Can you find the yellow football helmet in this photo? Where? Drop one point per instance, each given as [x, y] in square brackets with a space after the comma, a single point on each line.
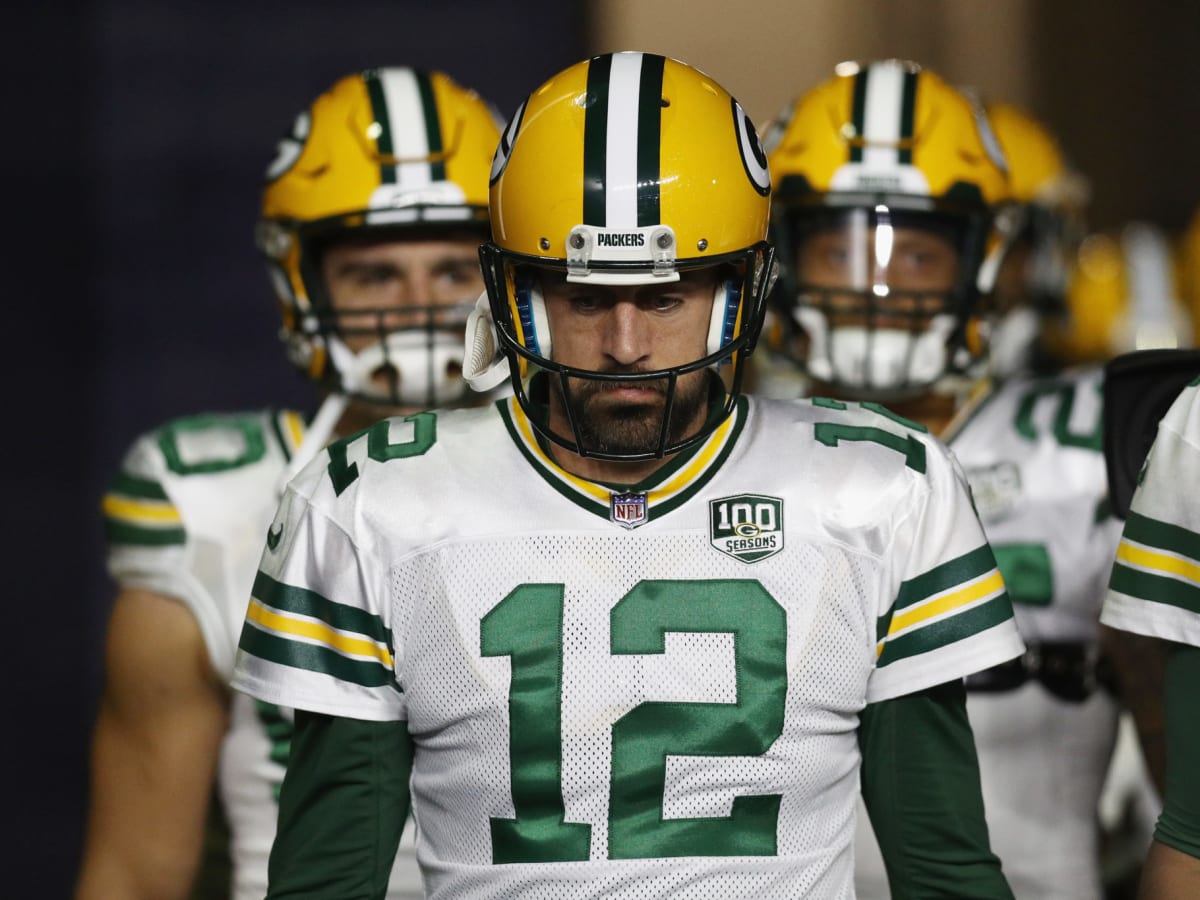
[1049, 202]
[1124, 294]
[865, 164]
[625, 169]
[389, 152]
[1189, 273]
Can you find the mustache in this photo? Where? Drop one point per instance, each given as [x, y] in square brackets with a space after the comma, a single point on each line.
[602, 385]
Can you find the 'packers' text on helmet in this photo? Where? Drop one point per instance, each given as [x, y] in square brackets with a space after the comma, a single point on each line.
[626, 169]
[389, 153]
[886, 179]
[1049, 203]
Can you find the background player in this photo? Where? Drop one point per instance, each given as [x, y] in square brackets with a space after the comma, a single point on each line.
[372, 214]
[894, 211]
[1155, 592]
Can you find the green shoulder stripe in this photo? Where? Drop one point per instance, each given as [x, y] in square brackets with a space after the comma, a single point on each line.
[1155, 588]
[117, 532]
[944, 577]
[947, 631]
[313, 657]
[139, 488]
[1162, 535]
[291, 600]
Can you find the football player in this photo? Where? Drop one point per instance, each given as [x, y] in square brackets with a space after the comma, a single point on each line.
[1048, 200]
[628, 632]
[893, 211]
[1155, 592]
[372, 215]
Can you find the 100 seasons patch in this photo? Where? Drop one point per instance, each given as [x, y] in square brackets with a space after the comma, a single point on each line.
[748, 527]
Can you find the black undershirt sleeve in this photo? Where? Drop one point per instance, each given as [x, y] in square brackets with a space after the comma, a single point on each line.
[342, 808]
[920, 783]
[1179, 824]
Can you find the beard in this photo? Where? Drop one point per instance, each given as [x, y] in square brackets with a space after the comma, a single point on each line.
[624, 427]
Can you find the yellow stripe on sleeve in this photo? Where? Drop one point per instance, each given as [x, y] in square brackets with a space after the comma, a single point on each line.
[317, 631]
[140, 511]
[1161, 563]
[964, 596]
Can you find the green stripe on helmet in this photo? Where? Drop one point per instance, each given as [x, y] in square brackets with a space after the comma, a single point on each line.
[858, 115]
[379, 109]
[595, 141]
[433, 129]
[908, 105]
[649, 136]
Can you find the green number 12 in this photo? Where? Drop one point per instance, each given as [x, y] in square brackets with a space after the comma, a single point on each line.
[527, 625]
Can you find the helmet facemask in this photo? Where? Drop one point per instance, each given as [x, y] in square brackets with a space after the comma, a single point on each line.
[739, 284]
[878, 295]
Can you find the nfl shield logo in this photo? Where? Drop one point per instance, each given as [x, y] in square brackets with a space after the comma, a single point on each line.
[627, 510]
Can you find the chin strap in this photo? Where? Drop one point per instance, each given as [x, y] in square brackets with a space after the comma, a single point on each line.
[484, 367]
[316, 436]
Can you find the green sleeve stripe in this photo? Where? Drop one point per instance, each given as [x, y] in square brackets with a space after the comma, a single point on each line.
[945, 632]
[1162, 535]
[1155, 588]
[314, 658]
[303, 602]
[944, 577]
[123, 533]
[139, 488]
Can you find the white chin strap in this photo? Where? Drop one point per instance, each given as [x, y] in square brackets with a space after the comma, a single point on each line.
[427, 362]
[875, 358]
[485, 368]
[1010, 342]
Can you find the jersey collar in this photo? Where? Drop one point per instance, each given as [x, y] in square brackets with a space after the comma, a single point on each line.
[668, 488]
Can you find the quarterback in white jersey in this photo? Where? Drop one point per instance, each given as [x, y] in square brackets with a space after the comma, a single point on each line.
[1155, 591]
[373, 312]
[628, 632]
[599, 682]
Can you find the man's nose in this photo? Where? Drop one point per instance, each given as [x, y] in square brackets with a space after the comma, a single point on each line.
[626, 337]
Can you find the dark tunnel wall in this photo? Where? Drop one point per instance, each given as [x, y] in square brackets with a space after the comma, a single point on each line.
[137, 135]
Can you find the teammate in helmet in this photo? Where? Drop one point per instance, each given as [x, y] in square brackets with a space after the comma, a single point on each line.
[1048, 211]
[625, 632]
[890, 203]
[373, 212]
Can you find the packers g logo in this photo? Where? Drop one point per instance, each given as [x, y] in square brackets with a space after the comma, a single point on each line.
[754, 158]
[289, 148]
[504, 148]
[748, 527]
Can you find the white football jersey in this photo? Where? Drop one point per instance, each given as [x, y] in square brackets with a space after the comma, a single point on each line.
[186, 517]
[1032, 452]
[1155, 586]
[648, 691]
